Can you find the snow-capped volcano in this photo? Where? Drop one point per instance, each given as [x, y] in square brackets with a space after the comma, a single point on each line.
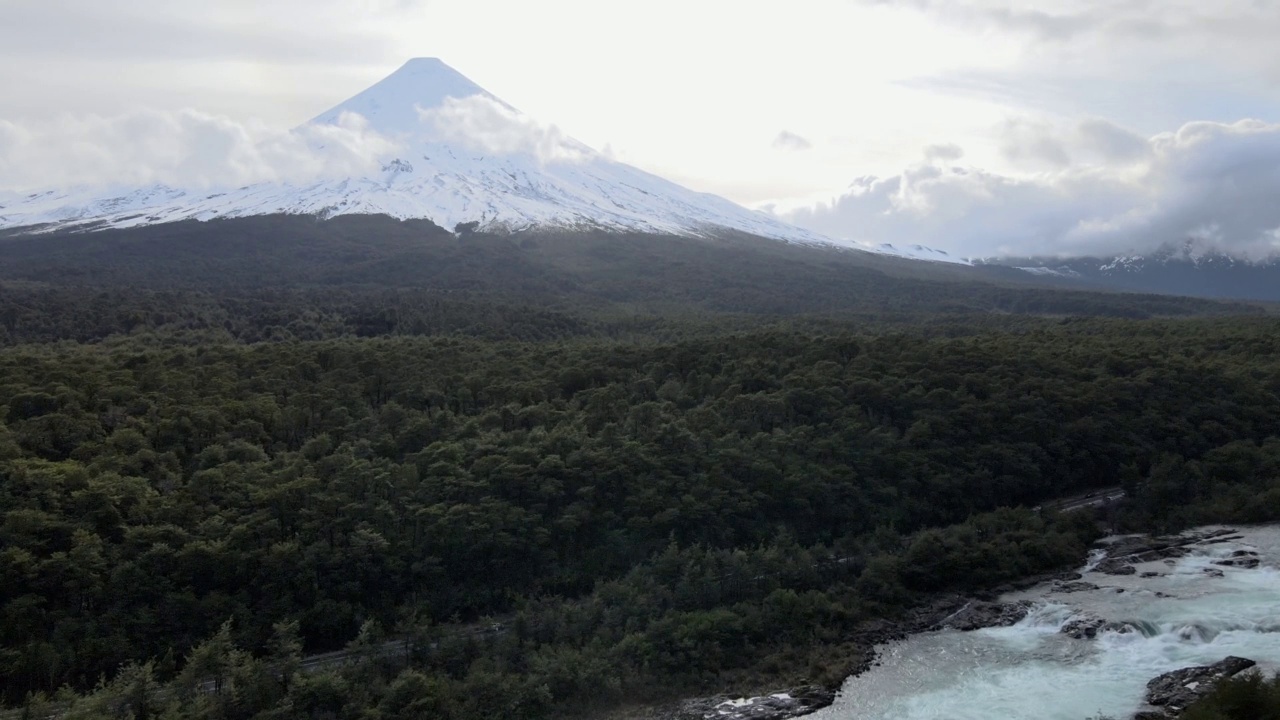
[451, 153]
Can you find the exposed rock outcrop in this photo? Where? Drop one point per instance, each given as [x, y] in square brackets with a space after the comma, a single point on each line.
[1241, 559]
[1126, 552]
[979, 614]
[1088, 627]
[779, 706]
[1116, 566]
[1073, 587]
[1173, 691]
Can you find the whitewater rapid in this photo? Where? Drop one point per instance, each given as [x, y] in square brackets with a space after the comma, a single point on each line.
[1032, 671]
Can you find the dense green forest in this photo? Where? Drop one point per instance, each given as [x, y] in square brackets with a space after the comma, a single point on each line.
[509, 502]
[615, 501]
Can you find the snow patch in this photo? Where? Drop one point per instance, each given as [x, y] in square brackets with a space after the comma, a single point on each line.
[916, 252]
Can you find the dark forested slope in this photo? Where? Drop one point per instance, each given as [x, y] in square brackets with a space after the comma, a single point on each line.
[347, 269]
[152, 493]
[666, 464]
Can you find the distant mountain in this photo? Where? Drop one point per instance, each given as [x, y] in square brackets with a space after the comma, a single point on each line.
[1190, 268]
[467, 164]
[440, 173]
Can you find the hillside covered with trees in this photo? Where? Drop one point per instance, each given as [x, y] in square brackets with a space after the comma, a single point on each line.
[561, 499]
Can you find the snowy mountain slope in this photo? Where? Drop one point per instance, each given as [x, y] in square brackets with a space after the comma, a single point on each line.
[918, 252]
[436, 172]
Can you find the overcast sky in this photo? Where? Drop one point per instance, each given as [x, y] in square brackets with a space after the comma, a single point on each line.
[975, 126]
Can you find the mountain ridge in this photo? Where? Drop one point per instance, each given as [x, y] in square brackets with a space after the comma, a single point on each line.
[1192, 267]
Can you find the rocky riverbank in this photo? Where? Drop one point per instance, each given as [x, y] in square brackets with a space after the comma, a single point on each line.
[1124, 553]
[944, 611]
[1169, 693]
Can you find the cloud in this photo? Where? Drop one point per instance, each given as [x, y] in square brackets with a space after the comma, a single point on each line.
[790, 141]
[1032, 144]
[195, 150]
[1107, 142]
[229, 30]
[1038, 144]
[946, 153]
[1045, 25]
[488, 126]
[282, 60]
[1070, 20]
[186, 149]
[1145, 64]
[1214, 181]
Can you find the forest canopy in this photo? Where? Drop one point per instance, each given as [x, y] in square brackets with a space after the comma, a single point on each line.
[522, 501]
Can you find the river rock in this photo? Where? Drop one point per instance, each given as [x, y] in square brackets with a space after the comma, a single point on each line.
[1088, 627]
[1124, 552]
[994, 593]
[778, 706]
[1173, 691]
[1168, 553]
[1073, 587]
[1116, 566]
[1148, 546]
[1241, 559]
[980, 614]
[1214, 572]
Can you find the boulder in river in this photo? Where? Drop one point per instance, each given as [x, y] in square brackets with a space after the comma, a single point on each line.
[778, 706]
[1073, 587]
[1241, 559]
[1088, 627]
[980, 614]
[1173, 691]
[1116, 566]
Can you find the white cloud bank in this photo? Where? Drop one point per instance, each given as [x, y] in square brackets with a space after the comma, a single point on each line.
[1090, 189]
[195, 150]
[185, 149]
[483, 124]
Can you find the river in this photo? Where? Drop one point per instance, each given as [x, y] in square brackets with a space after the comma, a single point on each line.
[1031, 671]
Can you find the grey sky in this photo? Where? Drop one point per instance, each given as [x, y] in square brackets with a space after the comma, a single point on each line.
[989, 125]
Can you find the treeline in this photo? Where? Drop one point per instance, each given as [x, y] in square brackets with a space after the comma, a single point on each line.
[641, 515]
[86, 314]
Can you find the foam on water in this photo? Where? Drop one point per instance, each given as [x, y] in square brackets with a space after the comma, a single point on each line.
[1030, 670]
